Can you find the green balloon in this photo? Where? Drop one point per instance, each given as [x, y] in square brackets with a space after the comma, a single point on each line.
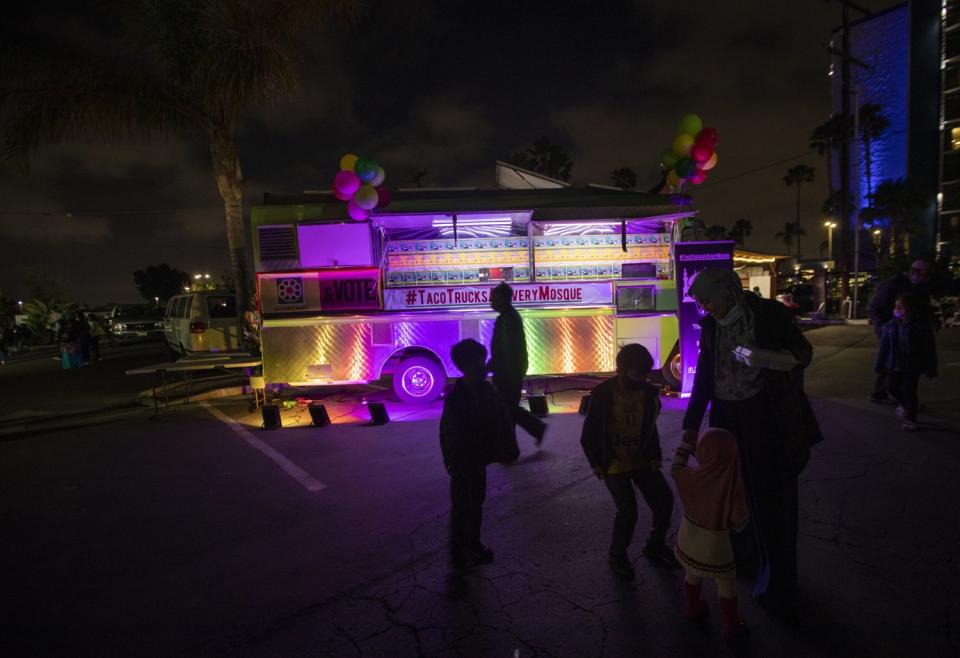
[667, 159]
[685, 167]
[690, 125]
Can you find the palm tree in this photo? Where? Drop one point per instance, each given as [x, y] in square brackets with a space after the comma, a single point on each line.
[161, 68]
[742, 229]
[791, 231]
[798, 175]
[826, 137]
[897, 202]
[624, 178]
[873, 123]
[544, 157]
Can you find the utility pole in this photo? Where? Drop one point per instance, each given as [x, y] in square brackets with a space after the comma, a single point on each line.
[846, 58]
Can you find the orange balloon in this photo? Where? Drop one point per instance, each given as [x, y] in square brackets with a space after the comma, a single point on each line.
[711, 163]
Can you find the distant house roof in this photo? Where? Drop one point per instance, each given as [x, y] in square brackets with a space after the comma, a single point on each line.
[512, 177]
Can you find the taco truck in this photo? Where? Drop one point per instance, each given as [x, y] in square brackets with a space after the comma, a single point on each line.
[346, 302]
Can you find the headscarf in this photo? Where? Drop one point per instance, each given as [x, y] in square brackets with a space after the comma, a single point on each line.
[712, 493]
[721, 285]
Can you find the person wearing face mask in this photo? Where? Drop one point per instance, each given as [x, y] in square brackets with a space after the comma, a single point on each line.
[766, 411]
[880, 311]
[621, 443]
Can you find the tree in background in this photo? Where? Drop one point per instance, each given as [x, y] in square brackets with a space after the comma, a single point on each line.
[716, 232]
[544, 157]
[797, 176]
[873, 123]
[826, 137]
[896, 202]
[625, 178]
[178, 67]
[160, 281]
[742, 229]
[791, 231]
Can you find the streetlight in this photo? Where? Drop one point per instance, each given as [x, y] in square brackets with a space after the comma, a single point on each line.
[830, 226]
[20, 304]
[206, 276]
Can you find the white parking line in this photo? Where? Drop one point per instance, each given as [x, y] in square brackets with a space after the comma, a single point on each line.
[291, 469]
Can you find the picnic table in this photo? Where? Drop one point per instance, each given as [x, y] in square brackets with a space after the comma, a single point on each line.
[187, 366]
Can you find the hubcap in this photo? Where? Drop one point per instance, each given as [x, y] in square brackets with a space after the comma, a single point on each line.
[676, 368]
[417, 381]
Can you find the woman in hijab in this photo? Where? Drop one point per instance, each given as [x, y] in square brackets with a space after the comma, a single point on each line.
[765, 410]
[714, 504]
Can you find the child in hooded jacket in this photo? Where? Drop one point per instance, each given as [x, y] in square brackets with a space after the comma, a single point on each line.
[907, 350]
[714, 504]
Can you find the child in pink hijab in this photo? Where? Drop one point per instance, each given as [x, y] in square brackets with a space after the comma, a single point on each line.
[713, 504]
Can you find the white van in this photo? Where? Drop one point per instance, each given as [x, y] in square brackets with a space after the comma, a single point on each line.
[205, 321]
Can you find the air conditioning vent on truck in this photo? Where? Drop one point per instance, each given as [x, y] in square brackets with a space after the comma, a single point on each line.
[278, 243]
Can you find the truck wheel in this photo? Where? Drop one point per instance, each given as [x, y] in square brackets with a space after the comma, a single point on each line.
[419, 379]
[672, 370]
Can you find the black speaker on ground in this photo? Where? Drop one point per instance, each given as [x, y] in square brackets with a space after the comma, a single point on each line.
[584, 405]
[538, 405]
[378, 413]
[271, 417]
[319, 415]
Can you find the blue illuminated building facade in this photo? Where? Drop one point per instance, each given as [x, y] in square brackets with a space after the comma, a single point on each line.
[895, 63]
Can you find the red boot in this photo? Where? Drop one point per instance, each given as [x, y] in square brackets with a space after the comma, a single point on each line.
[733, 627]
[694, 607]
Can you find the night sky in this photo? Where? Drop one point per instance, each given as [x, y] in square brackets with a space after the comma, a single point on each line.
[449, 88]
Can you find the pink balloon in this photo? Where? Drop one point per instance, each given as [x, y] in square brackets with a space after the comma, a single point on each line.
[356, 212]
[698, 177]
[340, 195]
[708, 136]
[383, 196]
[701, 152]
[347, 182]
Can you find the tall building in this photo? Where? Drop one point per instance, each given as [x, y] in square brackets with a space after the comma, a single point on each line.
[948, 198]
[894, 62]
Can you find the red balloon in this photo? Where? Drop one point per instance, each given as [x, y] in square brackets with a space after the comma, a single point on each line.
[708, 136]
[701, 152]
[340, 195]
[698, 177]
[383, 196]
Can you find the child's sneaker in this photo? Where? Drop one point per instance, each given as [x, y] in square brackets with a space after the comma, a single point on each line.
[909, 426]
[901, 412]
[621, 566]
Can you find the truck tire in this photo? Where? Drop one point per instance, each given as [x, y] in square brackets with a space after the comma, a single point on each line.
[672, 370]
[419, 379]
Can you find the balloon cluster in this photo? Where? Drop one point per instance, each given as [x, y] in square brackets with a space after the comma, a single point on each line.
[360, 183]
[693, 154]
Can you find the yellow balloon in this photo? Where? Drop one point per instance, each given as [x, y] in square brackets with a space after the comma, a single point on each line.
[348, 162]
[682, 144]
[711, 163]
[674, 179]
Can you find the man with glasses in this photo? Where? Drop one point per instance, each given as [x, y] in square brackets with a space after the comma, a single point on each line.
[880, 310]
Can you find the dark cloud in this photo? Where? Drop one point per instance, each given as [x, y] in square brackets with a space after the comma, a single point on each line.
[448, 88]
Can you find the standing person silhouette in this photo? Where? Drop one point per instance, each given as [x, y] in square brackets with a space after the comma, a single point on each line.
[508, 360]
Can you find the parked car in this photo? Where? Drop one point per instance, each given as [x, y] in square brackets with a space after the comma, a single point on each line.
[204, 321]
[133, 321]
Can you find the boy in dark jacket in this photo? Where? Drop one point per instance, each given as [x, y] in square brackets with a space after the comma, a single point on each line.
[621, 443]
[475, 430]
[907, 350]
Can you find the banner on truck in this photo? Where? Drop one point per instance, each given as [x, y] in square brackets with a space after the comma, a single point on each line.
[354, 289]
[524, 294]
[690, 258]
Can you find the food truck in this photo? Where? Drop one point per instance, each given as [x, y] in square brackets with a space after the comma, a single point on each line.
[346, 302]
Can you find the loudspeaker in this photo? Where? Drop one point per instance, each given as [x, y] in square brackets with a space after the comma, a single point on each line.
[319, 415]
[378, 413]
[271, 417]
[584, 405]
[538, 405]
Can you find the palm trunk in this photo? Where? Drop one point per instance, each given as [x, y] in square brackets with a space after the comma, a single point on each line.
[833, 201]
[226, 168]
[866, 162]
[798, 219]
